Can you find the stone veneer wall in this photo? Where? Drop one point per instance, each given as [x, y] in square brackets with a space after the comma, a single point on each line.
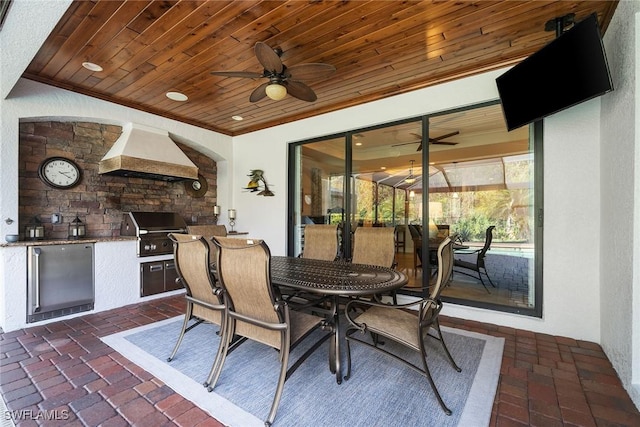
[99, 200]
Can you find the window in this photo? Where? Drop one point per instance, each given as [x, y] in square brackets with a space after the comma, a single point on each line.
[478, 175]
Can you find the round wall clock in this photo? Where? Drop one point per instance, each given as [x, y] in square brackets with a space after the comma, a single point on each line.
[59, 172]
[197, 188]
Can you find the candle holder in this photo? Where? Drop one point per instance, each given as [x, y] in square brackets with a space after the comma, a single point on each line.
[232, 219]
[77, 229]
[34, 230]
[216, 212]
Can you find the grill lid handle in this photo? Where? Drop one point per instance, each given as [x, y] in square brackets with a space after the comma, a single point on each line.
[169, 230]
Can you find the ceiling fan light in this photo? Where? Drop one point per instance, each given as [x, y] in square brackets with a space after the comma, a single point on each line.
[276, 91]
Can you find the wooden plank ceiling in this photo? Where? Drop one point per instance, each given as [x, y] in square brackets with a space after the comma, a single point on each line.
[379, 49]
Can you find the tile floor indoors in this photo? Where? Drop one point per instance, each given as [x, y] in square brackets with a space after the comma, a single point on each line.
[63, 370]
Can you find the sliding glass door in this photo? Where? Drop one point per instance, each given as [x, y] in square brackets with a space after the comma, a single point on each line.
[477, 176]
[482, 178]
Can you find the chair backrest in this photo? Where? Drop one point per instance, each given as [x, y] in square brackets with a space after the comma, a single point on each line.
[374, 246]
[192, 257]
[320, 241]
[487, 242]
[244, 274]
[208, 231]
[445, 264]
[415, 232]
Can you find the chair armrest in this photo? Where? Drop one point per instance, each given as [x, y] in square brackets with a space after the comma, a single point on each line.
[374, 303]
[408, 306]
[467, 251]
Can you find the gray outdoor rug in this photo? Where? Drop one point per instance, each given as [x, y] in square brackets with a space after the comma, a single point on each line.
[380, 392]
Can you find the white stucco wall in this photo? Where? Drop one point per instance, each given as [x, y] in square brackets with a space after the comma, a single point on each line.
[620, 200]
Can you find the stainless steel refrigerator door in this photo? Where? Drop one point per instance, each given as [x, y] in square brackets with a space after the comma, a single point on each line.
[60, 280]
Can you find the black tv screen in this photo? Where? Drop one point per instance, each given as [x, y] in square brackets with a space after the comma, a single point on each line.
[569, 70]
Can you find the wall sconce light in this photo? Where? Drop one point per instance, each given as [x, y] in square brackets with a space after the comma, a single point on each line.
[232, 219]
[276, 91]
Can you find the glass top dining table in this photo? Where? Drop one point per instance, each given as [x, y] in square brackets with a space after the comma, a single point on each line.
[334, 279]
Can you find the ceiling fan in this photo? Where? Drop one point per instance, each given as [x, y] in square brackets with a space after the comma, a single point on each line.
[282, 79]
[436, 141]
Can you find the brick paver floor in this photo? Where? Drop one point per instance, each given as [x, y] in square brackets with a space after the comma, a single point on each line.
[62, 374]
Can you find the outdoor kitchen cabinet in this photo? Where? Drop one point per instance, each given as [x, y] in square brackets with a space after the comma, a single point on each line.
[157, 277]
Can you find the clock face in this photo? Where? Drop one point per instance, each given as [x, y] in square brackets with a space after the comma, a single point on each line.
[59, 172]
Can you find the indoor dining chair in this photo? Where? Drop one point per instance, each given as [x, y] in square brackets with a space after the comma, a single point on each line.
[203, 297]
[254, 310]
[416, 237]
[408, 325]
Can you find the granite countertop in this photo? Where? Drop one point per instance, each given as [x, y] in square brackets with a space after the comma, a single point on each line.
[47, 242]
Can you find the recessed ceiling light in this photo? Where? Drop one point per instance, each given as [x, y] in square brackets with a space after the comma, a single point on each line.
[237, 118]
[383, 168]
[91, 66]
[177, 96]
[358, 144]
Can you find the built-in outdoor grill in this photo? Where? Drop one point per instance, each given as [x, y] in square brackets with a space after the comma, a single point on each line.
[152, 229]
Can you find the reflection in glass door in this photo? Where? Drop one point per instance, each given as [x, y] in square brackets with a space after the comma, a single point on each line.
[386, 164]
[318, 191]
[481, 180]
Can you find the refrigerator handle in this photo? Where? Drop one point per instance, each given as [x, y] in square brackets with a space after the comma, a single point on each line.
[36, 278]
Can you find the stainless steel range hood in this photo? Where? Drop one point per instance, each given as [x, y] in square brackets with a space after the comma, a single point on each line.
[145, 152]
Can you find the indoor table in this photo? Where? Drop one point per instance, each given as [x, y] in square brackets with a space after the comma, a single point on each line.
[334, 279]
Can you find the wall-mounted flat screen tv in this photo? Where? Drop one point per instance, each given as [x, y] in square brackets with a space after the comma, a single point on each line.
[569, 70]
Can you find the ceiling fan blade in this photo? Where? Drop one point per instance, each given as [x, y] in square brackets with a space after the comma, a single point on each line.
[300, 90]
[259, 92]
[405, 143]
[445, 136]
[247, 74]
[435, 141]
[309, 71]
[268, 58]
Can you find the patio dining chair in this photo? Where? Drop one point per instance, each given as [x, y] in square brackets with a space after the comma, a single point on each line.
[408, 325]
[254, 309]
[208, 231]
[477, 264]
[320, 242]
[204, 300]
[375, 246]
